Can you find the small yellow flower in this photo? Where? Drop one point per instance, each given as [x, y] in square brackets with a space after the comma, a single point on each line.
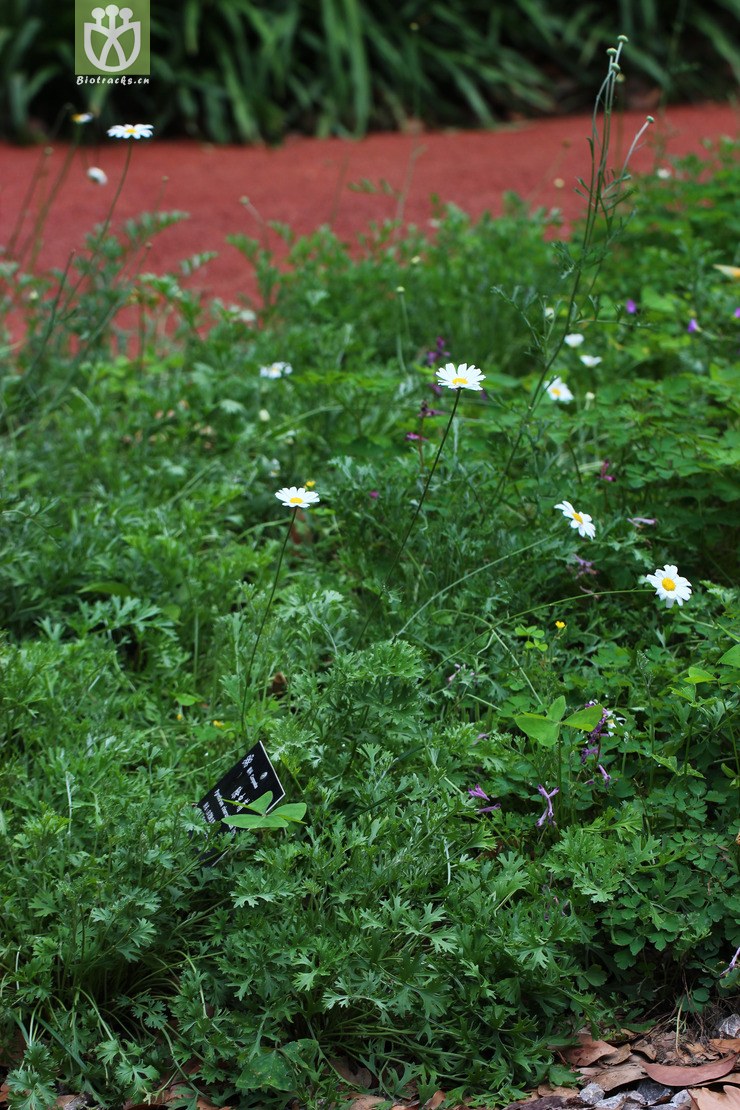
[310, 484]
[218, 724]
[178, 716]
[560, 625]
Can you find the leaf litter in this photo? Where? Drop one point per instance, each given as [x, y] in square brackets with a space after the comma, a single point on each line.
[643, 1071]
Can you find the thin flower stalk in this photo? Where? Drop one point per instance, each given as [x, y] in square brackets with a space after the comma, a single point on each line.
[295, 498]
[595, 198]
[412, 522]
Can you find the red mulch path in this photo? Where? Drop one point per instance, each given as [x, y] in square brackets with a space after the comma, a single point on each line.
[305, 182]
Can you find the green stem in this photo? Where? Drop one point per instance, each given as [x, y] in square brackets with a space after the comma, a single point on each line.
[248, 673]
[409, 530]
[595, 204]
[33, 243]
[106, 224]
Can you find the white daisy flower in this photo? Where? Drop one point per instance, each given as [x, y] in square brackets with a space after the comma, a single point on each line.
[581, 521]
[558, 391]
[100, 177]
[460, 377]
[276, 370]
[82, 117]
[590, 360]
[574, 339]
[297, 498]
[131, 131]
[669, 585]
[246, 315]
[663, 173]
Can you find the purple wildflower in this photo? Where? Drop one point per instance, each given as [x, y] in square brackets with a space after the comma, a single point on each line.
[478, 792]
[584, 566]
[605, 476]
[462, 670]
[732, 964]
[549, 814]
[693, 326]
[425, 411]
[481, 736]
[414, 436]
[605, 775]
[373, 495]
[630, 306]
[605, 724]
[586, 753]
[736, 313]
[439, 353]
[638, 521]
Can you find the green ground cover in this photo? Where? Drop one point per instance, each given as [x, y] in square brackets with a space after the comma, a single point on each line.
[519, 765]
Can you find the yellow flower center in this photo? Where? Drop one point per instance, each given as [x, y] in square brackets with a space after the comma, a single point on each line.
[459, 381]
[296, 500]
[668, 584]
[578, 517]
[555, 391]
[131, 130]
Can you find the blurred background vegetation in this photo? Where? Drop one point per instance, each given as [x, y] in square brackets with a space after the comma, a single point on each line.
[251, 70]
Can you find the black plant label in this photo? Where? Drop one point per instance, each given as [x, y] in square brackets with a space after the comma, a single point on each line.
[247, 780]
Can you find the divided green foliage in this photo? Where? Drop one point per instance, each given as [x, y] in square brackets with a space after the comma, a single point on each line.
[412, 905]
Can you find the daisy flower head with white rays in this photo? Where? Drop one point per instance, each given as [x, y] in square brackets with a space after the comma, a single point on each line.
[276, 370]
[590, 360]
[131, 131]
[82, 117]
[574, 339]
[460, 377]
[100, 177]
[296, 497]
[582, 521]
[669, 585]
[558, 391]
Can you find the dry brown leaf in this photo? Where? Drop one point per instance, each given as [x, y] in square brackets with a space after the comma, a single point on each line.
[619, 1055]
[4, 1092]
[588, 1051]
[549, 1102]
[357, 1076]
[690, 1077]
[733, 1077]
[726, 1099]
[436, 1100]
[563, 1092]
[698, 1050]
[611, 1078]
[726, 1044]
[646, 1048]
[365, 1102]
[71, 1102]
